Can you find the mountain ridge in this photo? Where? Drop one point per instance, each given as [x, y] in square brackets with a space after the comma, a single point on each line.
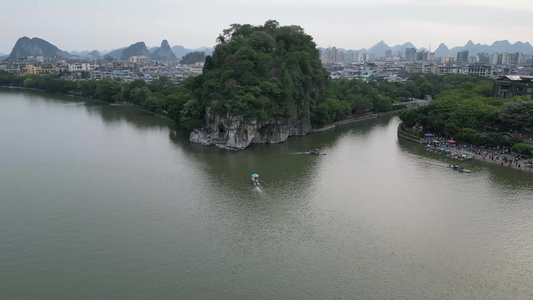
[163, 53]
[473, 48]
[137, 49]
[39, 47]
[35, 47]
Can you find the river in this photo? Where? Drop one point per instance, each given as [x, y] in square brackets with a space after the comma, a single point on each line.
[105, 202]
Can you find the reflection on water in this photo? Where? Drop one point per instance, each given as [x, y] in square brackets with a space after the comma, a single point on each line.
[101, 201]
[112, 115]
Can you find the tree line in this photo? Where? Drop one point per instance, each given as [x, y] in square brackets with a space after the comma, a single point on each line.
[274, 73]
[186, 102]
[470, 114]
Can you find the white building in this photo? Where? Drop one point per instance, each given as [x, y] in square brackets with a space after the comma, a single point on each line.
[79, 67]
[484, 70]
[139, 59]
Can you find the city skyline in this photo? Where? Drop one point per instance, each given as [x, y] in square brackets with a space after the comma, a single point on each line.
[349, 24]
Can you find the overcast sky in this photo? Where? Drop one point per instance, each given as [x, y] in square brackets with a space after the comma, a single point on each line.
[352, 24]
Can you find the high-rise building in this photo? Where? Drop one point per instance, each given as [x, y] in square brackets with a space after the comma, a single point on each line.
[388, 54]
[496, 59]
[330, 55]
[410, 54]
[351, 56]
[340, 57]
[484, 57]
[422, 56]
[462, 56]
[513, 58]
[473, 59]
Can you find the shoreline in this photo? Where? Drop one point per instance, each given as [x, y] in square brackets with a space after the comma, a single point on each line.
[489, 158]
[330, 126]
[118, 104]
[487, 155]
[363, 117]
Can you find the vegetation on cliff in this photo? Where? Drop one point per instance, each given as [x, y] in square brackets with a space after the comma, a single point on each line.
[193, 57]
[272, 73]
[260, 73]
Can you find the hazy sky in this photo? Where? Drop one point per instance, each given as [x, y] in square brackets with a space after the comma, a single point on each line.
[352, 24]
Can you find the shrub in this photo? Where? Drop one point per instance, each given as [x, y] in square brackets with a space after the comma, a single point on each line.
[522, 148]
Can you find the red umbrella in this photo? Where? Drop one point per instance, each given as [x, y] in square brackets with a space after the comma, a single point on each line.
[451, 141]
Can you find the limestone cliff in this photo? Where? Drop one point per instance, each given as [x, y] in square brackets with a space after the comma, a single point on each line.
[260, 86]
[236, 133]
[35, 47]
[164, 53]
[137, 49]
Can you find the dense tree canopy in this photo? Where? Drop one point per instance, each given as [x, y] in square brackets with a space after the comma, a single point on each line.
[464, 112]
[273, 73]
[260, 72]
[193, 57]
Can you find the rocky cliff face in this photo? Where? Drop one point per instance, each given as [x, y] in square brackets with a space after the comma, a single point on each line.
[235, 133]
[164, 53]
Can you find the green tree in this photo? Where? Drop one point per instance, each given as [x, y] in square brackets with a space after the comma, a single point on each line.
[139, 95]
[426, 88]
[107, 88]
[522, 148]
[259, 73]
[193, 57]
[412, 88]
[516, 114]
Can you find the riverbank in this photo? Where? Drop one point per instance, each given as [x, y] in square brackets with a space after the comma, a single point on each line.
[370, 115]
[120, 104]
[349, 120]
[363, 117]
[493, 155]
[497, 156]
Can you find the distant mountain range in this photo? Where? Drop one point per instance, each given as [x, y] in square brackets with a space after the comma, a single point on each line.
[155, 53]
[499, 46]
[180, 51]
[38, 47]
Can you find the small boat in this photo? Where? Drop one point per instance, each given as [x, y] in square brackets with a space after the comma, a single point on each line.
[459, 168]
[255, 179]
[316, 152]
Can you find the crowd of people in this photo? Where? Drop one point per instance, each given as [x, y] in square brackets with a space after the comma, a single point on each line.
[494, 154]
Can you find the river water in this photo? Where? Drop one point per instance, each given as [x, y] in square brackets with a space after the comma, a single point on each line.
[105, 202]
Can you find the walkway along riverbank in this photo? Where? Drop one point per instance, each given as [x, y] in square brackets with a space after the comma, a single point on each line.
[368, 116]
[497, 156]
